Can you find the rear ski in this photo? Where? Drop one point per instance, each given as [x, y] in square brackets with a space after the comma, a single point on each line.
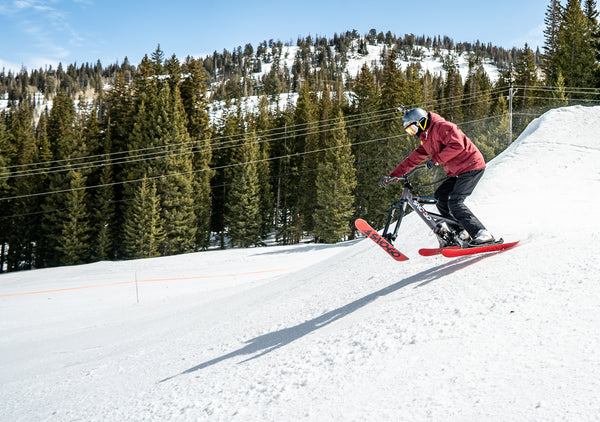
[495, 247]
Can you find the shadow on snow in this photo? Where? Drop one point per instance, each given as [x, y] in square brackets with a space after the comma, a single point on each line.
[268, 342]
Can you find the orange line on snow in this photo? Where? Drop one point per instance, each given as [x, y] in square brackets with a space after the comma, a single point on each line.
[144, 281]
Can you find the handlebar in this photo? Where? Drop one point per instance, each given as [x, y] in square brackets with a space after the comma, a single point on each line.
[410, 173]
[407, 183]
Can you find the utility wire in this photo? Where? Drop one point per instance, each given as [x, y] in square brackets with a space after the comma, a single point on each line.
[166, 150]
[323, 125]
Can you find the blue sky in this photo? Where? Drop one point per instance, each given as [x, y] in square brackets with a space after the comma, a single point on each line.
[36, 33]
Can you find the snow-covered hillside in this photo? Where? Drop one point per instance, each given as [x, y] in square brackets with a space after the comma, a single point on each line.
[341, 332]
[374, 59]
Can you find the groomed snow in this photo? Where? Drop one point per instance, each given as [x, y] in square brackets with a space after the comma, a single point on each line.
[343, 332]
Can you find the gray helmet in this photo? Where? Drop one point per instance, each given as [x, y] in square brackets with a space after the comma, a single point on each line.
[414, 115]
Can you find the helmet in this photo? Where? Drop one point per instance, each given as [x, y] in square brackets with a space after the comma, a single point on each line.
[414, 120]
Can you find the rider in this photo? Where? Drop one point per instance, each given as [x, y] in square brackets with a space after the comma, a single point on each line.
[446, 144]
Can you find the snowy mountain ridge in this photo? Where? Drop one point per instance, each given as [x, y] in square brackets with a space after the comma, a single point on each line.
[427, 57]
[342, 332]
[430, 61]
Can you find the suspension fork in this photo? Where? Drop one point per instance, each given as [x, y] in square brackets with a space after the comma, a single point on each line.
[401, 207]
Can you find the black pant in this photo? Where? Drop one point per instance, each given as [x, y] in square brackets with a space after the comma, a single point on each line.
[451, 195]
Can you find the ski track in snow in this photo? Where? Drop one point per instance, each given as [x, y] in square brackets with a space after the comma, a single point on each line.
[339, 332]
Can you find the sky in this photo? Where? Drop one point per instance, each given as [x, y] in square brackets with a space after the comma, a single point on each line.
[38, 33]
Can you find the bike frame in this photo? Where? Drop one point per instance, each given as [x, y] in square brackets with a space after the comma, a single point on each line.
[433, 220]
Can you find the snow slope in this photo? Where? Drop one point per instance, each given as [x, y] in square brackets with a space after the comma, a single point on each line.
[343, 332]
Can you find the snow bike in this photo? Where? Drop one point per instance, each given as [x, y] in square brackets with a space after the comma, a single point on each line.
[451, 244]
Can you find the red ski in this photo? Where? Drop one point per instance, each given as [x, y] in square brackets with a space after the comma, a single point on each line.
[370, 232]
[435, 251]
[451, 253]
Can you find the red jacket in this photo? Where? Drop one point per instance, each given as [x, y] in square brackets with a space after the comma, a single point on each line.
[446, 144]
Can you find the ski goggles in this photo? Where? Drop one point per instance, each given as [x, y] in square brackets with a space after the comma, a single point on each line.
[412, 128]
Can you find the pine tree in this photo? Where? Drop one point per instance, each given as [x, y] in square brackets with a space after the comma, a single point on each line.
[590, 9]
[23, 231]
[101, 203]
[64, 215]
[559, 95]
[525, 78]
[158, 57]
[393, 144]
[73, 241]
[451, 101]
[365, 136]
[498, 136]
[227, 138]
[263, 126]
[103, 209]
[477, 99]
[4, 146]
[549, 58]
[118, 121]
[44, 151]
[104, 216]
[4, 189]
[143, 233]
[159, 125]
[477, 105]
[306, 142]
[118, 115]
[315, 157]
[195, 104]
[286, 188]
[414, 93]
[176, 190]
[243, 219]
[335, 186]
[575, 58]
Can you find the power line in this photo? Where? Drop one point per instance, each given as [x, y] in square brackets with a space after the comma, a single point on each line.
[287, 173]
[299, 130]
[166, 150]
[164, 176]
[287, 156]
[351, 121]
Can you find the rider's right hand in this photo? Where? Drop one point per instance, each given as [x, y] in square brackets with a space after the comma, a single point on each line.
[385, 181]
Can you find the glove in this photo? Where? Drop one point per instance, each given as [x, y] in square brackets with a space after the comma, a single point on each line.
[431, 164]
[385, 181]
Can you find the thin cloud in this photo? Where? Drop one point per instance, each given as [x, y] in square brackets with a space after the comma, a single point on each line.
[43, 41]
[21, 5]
[42, 23]
[534, 38]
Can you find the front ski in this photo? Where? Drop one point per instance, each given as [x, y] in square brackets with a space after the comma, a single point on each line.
[370, 232]
[452, 253]
[435, 251]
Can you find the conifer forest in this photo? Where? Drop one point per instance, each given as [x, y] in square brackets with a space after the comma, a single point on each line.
[275, 143]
